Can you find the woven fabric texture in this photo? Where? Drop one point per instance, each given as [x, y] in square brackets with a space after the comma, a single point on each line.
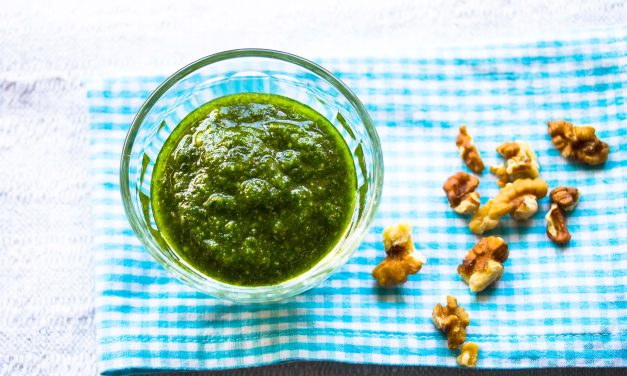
[553, 307]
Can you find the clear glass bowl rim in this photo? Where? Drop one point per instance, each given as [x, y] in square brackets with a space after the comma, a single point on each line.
[232, 290]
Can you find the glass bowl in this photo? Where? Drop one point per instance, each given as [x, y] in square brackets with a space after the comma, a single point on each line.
[238, 71]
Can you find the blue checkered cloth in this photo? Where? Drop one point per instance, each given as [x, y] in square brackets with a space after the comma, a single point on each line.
[553, 306]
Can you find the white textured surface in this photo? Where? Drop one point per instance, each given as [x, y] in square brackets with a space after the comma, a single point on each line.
[46, 287]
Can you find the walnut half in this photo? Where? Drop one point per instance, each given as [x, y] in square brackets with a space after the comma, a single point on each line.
[402, 258]
[524, 207]
[483, 265]
[460, 191]
[515, 198]
[556, 228]
[468, 151]
[452, 320]
[521, 162]
[469, 355]
[563, 199]
[578, 142]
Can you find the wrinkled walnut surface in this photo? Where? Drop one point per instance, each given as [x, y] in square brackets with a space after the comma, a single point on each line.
[578, 142]
[469, 355]
[524, 207]
[556, 228]
[482, 266]
[521, 163]
[565, 197]
[452, 320]
[461, 194]
[468, 151]
[506, 201]
[402, 258]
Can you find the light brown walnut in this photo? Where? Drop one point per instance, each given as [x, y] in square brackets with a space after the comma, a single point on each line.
[521, 162]
[402, 257]
[468, 151]
[483, 265]
[461, 194]
[508, 200]
[452, 320]
[524, 207]
[578, 142]
[469, 355]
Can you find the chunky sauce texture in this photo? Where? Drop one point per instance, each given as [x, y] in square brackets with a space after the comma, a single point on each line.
[253, 189]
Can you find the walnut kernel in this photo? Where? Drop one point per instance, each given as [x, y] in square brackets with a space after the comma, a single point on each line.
[565, 197]
[521, 162]
[469, 355]
[468, 151]
[402, 258]
[508, 200]
[556, 228]
[452, 320]
[481, 221]
[483, 265]
[460, 191]
[524, 207]
[578, 142]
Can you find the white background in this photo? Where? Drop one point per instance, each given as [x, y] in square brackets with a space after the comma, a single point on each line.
[47, 48]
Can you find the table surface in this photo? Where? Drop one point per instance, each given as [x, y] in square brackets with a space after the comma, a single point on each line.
[46, 279]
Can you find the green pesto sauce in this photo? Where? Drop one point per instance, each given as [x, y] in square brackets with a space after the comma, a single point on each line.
[253, 189]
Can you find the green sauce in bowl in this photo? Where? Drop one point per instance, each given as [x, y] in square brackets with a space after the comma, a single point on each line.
[253, 189]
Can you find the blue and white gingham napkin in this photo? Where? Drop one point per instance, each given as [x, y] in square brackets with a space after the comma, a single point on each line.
[553, 306]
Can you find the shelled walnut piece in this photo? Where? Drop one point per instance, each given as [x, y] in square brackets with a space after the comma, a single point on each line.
[452, 320]
[468, 151]
[562, 199]
[461, 194]
[565, 197]
[402, 257]
[469, 355]
[556, 229]
[524, 207]
[483, 265]
[521, 163]
[517, 198]
[578, 142]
